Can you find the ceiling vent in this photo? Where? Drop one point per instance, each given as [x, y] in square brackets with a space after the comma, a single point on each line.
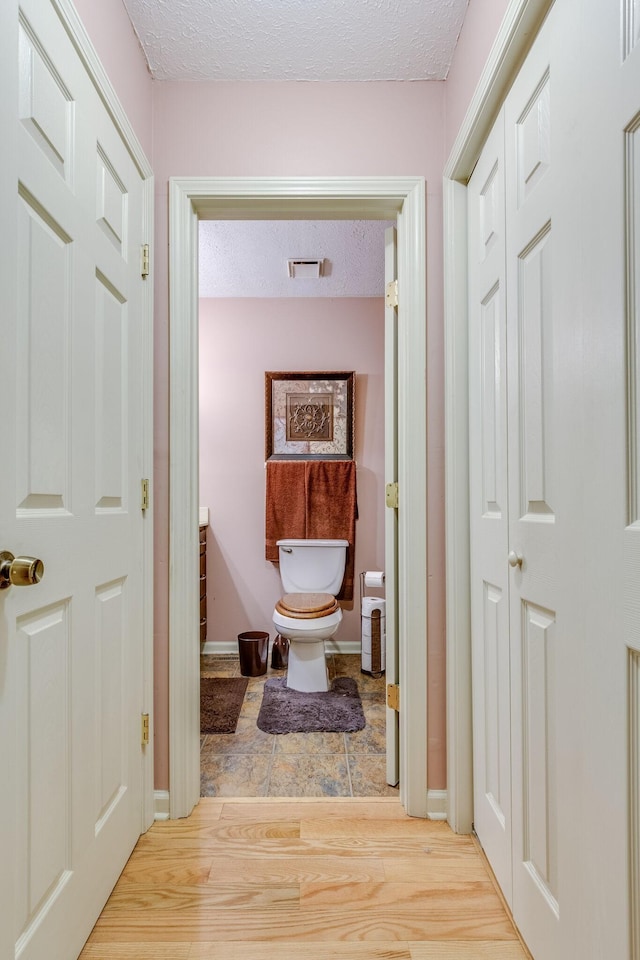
[305, 269]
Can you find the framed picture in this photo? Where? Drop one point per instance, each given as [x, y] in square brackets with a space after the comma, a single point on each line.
[309, 416]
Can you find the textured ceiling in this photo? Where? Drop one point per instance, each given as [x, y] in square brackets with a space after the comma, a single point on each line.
[298, 39]
[248, 258]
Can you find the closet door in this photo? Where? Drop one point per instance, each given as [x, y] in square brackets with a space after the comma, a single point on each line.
[606, 332]
[571, 553]
[532, 557]
[514, 504]
[489, 511]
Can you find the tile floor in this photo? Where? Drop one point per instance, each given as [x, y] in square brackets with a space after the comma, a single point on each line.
[250, 763]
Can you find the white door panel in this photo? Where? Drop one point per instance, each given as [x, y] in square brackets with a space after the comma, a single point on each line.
[513, 504]
[534, 635]
[489, 509]
[572, 270]
[71, 432]
[628, 118]
[611, 264]
[8, 692]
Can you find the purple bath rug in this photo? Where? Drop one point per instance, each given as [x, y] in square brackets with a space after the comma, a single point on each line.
[339, 710]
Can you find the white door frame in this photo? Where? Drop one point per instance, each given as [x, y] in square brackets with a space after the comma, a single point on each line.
[519, 28]
[87, 54]
[191, 199]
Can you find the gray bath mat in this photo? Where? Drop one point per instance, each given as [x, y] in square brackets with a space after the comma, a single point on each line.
[221, 701]
[291, 711]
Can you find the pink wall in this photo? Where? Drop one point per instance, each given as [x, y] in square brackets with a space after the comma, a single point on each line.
[481, 24]
[110, 30]
[239, 340]
[304, 129]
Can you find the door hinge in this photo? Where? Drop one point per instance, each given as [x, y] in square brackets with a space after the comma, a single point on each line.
[144, 498]
[145, 730]
[391, 495]
[393, 697]
[391, 294]
[144, 260]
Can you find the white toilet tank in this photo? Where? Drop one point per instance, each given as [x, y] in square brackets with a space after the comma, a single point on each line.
[312, 566]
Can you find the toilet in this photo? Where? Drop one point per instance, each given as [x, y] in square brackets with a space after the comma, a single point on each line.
[308, 613]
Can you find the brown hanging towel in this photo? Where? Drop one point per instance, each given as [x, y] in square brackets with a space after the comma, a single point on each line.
[285, 509]
[332, 509]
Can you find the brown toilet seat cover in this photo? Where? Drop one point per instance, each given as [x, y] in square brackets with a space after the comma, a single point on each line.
[307, 606]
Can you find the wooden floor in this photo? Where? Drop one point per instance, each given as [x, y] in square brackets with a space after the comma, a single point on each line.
[304, 879]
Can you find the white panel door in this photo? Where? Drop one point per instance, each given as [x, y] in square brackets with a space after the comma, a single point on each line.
[533, 500]
[621, 129]
[391, 515]
[513, 505]
[607, 645]
[489, 510]
[572, 209]
[70, 434]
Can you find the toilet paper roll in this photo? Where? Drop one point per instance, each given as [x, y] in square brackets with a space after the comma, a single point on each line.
[374, 578]
[373, 603]
[368, 664]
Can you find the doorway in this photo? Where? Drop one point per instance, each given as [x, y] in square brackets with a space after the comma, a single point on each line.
[254, 317]
[366, 198]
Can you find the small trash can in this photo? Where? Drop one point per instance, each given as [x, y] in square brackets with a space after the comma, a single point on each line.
[253, 646]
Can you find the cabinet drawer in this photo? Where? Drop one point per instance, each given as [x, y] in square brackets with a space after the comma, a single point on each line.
[203, 608]
[203, 631]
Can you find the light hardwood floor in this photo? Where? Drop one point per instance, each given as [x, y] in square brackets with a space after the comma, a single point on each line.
[337, 879]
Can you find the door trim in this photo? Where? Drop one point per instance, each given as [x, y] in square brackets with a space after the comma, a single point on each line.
[295, 198]
[518, 30]
[98, 75]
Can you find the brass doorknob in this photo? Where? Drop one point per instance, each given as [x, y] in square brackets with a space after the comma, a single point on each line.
[19, 571]
[515, 559]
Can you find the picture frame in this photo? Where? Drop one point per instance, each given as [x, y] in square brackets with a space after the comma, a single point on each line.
[309, 415]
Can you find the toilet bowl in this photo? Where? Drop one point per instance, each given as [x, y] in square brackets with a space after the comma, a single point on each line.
[308, 613]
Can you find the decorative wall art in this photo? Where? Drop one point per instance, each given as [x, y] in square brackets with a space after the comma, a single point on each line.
[309, 416]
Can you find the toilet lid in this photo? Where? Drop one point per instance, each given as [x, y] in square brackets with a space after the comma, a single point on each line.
[307, 606]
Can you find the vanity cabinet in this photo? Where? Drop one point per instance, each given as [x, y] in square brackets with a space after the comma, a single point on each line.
[203, 584]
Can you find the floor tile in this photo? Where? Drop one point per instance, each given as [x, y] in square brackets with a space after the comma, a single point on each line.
[305, 776]
[212, 666]
[252, 763]
[371, 740]
[368, 776]
[247, 739]
[347, 665]
[315, 743]
[251, 704]
[239, 775]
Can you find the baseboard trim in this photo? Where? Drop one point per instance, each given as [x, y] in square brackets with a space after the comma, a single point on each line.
[343, 646]
[161, 804]
[437, 804]
[226, 648]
